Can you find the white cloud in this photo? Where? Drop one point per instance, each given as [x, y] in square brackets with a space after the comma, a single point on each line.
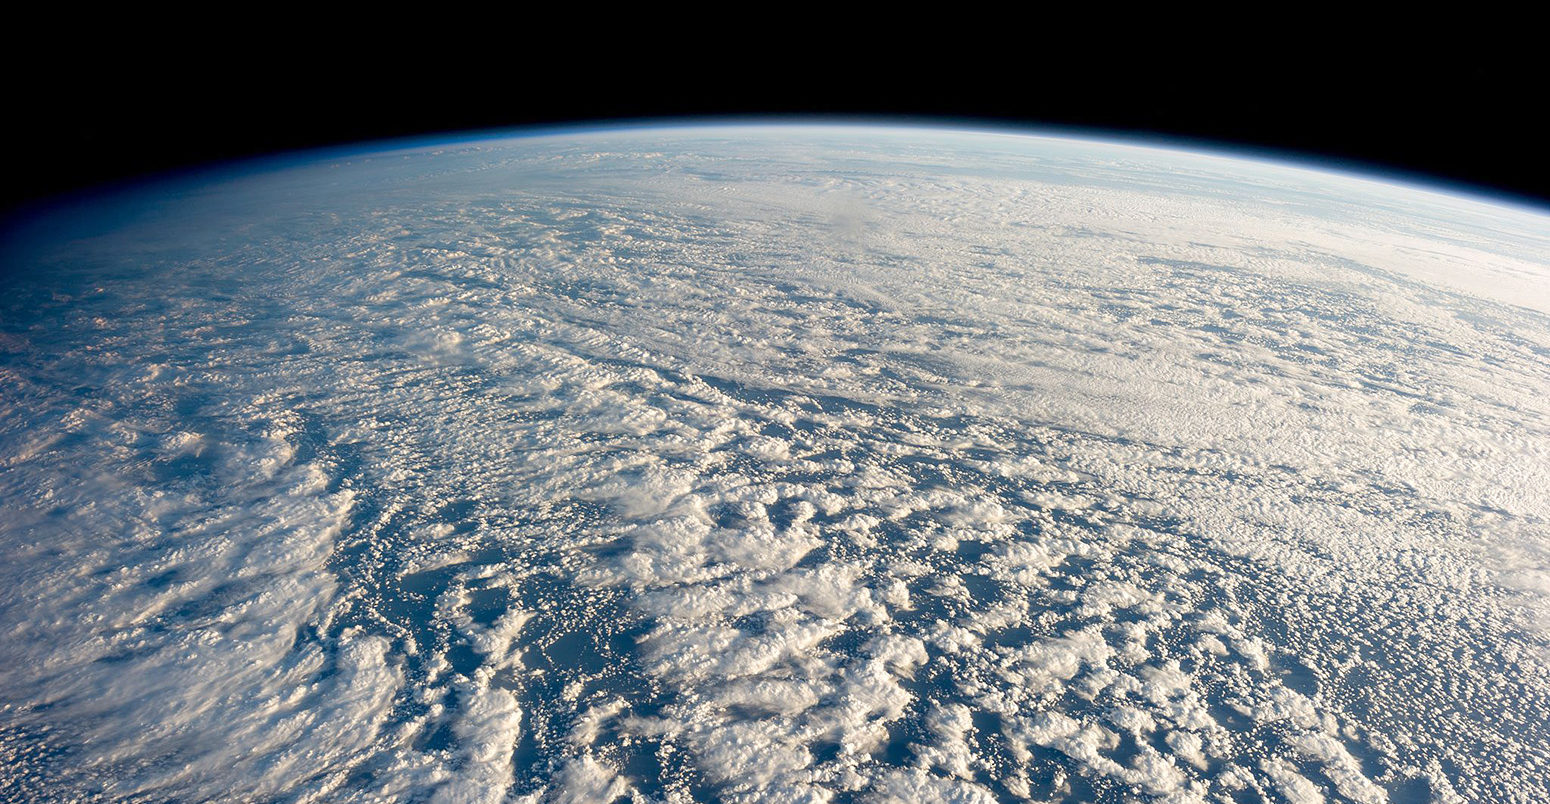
[508, 469]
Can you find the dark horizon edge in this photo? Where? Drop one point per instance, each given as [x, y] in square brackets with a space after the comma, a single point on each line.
[15, 213]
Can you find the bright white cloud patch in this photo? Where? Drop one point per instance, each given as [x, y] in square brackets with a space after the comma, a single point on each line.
[772, 464]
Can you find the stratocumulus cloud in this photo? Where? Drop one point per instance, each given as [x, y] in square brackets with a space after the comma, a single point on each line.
[779, 464]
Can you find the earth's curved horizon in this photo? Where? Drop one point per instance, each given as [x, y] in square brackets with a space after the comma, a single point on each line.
[776, 463]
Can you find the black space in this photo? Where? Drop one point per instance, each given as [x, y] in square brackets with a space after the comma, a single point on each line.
[115, 109]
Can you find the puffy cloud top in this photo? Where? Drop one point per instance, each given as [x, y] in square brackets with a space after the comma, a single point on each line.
[777, 464]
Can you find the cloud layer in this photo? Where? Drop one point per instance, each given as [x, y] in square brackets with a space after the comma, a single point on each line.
[779, 465]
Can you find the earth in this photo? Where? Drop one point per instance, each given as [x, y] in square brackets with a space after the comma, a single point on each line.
[774, 463]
